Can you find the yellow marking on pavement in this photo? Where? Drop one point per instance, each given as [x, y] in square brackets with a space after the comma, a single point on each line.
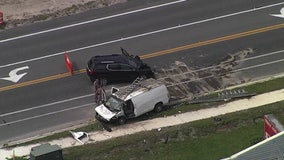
[45, 79]
[211, 41]
[154, 54]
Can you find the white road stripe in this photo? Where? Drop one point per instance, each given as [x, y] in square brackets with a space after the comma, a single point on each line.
[47, 114]
[141, 35]
[46, 105]
[241, 60]
[234, 71]
[91, 21]
[260, 56]
[259, 65]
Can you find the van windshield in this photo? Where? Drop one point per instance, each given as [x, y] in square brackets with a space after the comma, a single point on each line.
[114, 104]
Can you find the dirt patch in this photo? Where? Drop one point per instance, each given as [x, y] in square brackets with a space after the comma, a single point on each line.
[19, 12]
[185, 81]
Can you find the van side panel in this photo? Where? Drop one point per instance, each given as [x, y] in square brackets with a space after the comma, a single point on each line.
[146, 102]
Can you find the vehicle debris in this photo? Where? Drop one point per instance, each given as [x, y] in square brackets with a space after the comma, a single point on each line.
[226, 95]
[81, 137]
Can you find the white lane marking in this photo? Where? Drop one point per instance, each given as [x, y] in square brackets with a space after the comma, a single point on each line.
[47, 114]
[91, 21]
[241, 60]
[259, 65]
[238, 70]
[246, 59]
[260, 56]
[14, 77]
[45, 105]
[140, 35]
[281, 15]
[234, 71]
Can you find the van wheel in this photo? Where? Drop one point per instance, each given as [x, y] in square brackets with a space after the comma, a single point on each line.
[158, 107]
[122, 120]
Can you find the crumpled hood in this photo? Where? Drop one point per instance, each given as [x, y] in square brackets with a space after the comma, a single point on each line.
[104, 112]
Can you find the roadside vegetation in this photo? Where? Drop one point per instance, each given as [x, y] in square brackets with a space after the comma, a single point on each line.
[2, 27]
[213, 138]
[17, 158]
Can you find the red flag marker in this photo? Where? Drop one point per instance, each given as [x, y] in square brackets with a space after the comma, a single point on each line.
[68, 63]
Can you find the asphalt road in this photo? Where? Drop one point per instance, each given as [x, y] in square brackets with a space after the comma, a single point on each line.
[198, 33]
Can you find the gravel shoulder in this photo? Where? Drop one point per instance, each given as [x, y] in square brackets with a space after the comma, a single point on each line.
[20, 12]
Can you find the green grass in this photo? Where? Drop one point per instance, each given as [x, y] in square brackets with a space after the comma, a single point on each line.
[17, 158]
[267, 86]
[42, 17]
[2, 27]
[204, 139]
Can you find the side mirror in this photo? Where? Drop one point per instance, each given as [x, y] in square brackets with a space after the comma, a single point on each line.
[114, 90]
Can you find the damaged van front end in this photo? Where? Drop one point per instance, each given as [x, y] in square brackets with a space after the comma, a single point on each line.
[110, 110]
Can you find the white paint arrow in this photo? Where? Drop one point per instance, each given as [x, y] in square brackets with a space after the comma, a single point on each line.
[281, 15]
[14, 77]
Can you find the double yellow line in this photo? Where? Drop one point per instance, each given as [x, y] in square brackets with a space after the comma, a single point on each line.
[154, 54]
[211, 41]
[45, 79]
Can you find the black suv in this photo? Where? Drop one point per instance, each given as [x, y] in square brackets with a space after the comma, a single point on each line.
[117, 68]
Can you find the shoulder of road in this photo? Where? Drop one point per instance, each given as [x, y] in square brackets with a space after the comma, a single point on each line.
[158, 123]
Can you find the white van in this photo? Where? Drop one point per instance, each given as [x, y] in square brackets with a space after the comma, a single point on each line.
[140, 97]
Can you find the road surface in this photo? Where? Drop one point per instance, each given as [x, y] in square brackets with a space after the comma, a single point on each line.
[197, 34]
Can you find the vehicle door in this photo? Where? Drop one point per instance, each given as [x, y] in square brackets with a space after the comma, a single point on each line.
[115, 72]
[128, 72]
[128, 109]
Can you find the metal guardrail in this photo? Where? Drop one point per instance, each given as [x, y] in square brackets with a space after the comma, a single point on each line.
[223, 96]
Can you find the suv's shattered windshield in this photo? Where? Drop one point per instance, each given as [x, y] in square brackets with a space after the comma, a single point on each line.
[114, 104]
